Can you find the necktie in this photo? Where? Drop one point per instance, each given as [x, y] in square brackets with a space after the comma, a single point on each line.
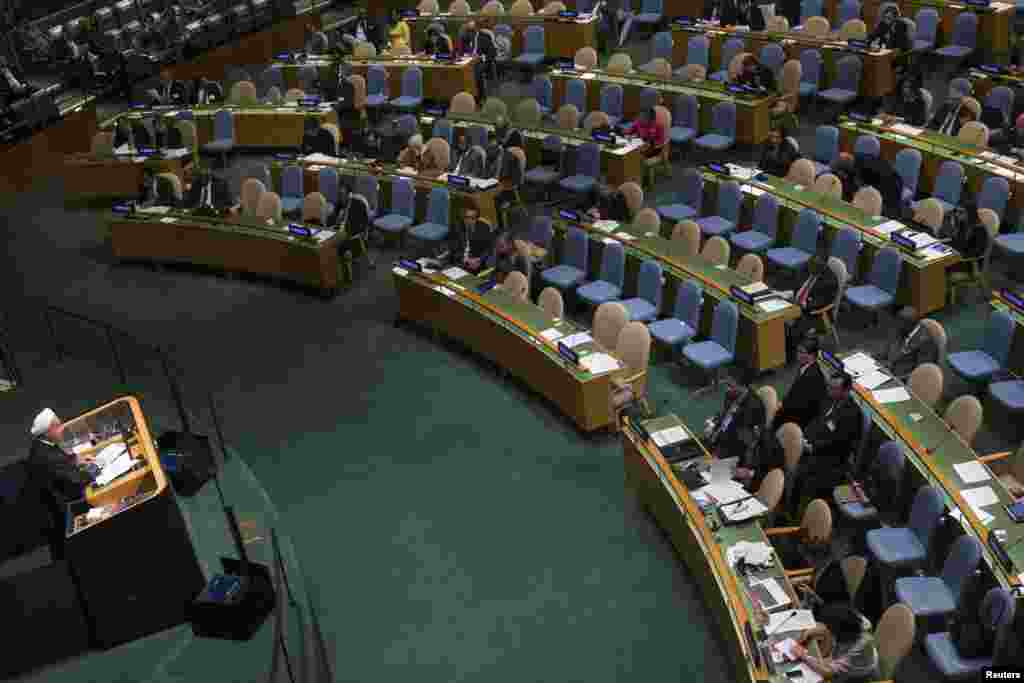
[804, 293]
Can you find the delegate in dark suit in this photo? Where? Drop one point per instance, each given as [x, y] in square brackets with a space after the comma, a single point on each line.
[913, 347]
[805, 397]
[830, 439]
[817, 291]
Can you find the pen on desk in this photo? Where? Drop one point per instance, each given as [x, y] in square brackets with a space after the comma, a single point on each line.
[733, 502]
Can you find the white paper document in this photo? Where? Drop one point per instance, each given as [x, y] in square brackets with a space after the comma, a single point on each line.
[971, 472]
[859, 363]
[741, 172]
[454, 273]
[807, 674]
[934, 252]
[672, 435]
[319, 158]
[109, 454]
[772, 305]
[551, 334]
[789, 620]
[399, 271]
[598, 363]
[983, 517]
[980, 496]
[896, 395]
[889, 227]
[759, 554]
[752, 191]
[115, 469]
[737, 512]
[726, 491]
[872, 380]
[605, 225]
[155, 209]
[773, 591]
[574, 340]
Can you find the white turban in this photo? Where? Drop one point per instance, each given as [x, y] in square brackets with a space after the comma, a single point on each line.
[43, 420]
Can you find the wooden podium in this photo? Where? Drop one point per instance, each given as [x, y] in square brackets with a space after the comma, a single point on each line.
[127, 543]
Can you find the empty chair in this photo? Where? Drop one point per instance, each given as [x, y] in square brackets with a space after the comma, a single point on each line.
[646, 305]
[576, 95]
[575, 258]
[716, 251]
[533, 54]
[585, 58]
[650, 13]
[697, 49]
[435, 227]
[752, 266]
[846, 247]
[980, 365]
[939, 596]
[803, 245]
[1001, 97]
[661, 48]
[817, 27]
[608, 285]
[688, 232]
[868, 200]
[327, 184]
[810, 72]
[772, 56]
[542, 92]
[997, 612]
[269, 208]
[412, 90]
[901, 548]
[687, 202]
[376, 86]
[927, 21]
[314, 209]
[292, 195]
[568, 116]
[685, 320]
[883, 280]
[720, 350]
[829, 184]
[587, 170]
[994, 195]
[730, 49]
[964, 416]
[620, 64]
[848, 10]
[366, 185]
[925, 383]
[517, 285]
[826, 148]
[762, 234]
[723, 129]
[685, 119]
[866, 146]
[550, 300]
[548, 172]
[846, 84]
[808, 9]
[801, 172]
[949, 184]
[609, 319]
[724, 222]
[252, 190]
[908, 165]
[887, 472]
[223, 135]
[965, 37]
[611, 103]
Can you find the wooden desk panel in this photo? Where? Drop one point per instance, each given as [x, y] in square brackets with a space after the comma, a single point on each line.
[85, 176]
[441, 82]
[261, 126]
[562, 37]
[586, 402]
[151, 239]
[42, 154]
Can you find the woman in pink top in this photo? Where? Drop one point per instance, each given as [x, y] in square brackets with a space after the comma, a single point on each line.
[650, 131]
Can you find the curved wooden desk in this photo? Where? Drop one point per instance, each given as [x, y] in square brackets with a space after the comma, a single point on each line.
[182, 237]
[562, 37]
[441, 80]
[508, 332]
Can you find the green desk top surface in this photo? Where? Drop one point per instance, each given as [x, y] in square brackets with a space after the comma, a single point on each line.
[708, 90]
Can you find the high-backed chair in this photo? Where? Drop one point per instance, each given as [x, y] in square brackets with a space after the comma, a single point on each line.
[980, 365]
[634, 196]
[542, 91]
[724, 222]
[269, 208]
[403, 208]
[620, 64]
[936, 597]
[777, 24]
[801, 172]
[731, 48]
[412, 90]
[810, 72]
[826, 148]
[102, 145]
[250, 194]
[866, 145]
[688, 232]
[907, 164]
[978, 273]
[568, 117]
[789, 98]
[377, 86]
[925, 383]
[608, 285]
[646, 305]
[521, 8]
[630, 384]
[223, 141]
[803, 246]
[996, 612]
[965, 415]
[927, 22]
[587, 171]
[868, 200]
[828, 315]
[685, 320]
[846, 85]
[609, 319]
[723, 129]
[435, 227]
[716, 251]
[533, 54]
[661, 48]
[575, 261]
[314, 209]
[883, 281]
[829, 184]
[772, 489]
[846, 247]
[762, 233]
[687, 202]
[550, 300]
[720, 350]
[902, 548]
[965, 37]
[887, 470]
[895, 637]
[814, 532]
[752, 266]
[292, 194]
[517, 285]
[595, 119]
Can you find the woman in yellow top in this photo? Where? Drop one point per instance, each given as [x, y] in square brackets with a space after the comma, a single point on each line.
[398, 31]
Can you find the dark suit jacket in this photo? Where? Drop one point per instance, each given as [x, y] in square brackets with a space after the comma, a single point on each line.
[804, 399]
[737, 438]
[766, 456]
[481, 239]
[941, 115]
[777, 160]
[833, 435]
[55, 471]
[823, 291]
[907, 352]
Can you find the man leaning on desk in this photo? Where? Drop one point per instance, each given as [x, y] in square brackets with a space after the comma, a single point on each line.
[60, 476]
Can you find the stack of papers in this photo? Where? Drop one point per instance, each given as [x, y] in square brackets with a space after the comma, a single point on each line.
[598, 363]
[971, 472]
[889, 227]
[978, 498]
[772, 305]
[574, 340]
[920, 239]
[725, 491]
[859, 363]
[115, 468]
[935, 251]
[873, 379]
[454, 273]
[670, 436]
[789, 620]
[769, 593]
[741, 172]
[737, 512]
[551, 334]
[759, 554]
[319, 158]
[897, 395]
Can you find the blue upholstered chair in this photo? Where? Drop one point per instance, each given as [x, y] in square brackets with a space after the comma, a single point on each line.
[884, 278]
[443, 129]
[938, 596]
[292, 195]
[688, 202]
[646, 305]
[1009, 394]
[762, 234]
[773, 57]
[533, 54]
[327, 184]
[611, 103]
[848, 9]
[576, 95]
[685, 120]
[661, 48]
[826, 148]
[685, 320]
[965, 37]
[412, 90]
[723, 129]
[867, 145]
[997, 612]
[376, 86]
[720, 350]
[587, 170]
[846, 85]
[901, 548]
[888, 468]
[725, 221]
[949, 184]
[223, 141]
[650, 13]
[995, 193]
[846, 247]
[367, 186]
[981, 364]
[608, 285]
[803, 245]
[810, 72]
[542, 92]
[435, 227]
[575, 257]
[927, 20]
[730, 49]
[697, 50]
[908, 165]
[403, 208]
[549, 171]
[810, 8]
[1001, 97]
